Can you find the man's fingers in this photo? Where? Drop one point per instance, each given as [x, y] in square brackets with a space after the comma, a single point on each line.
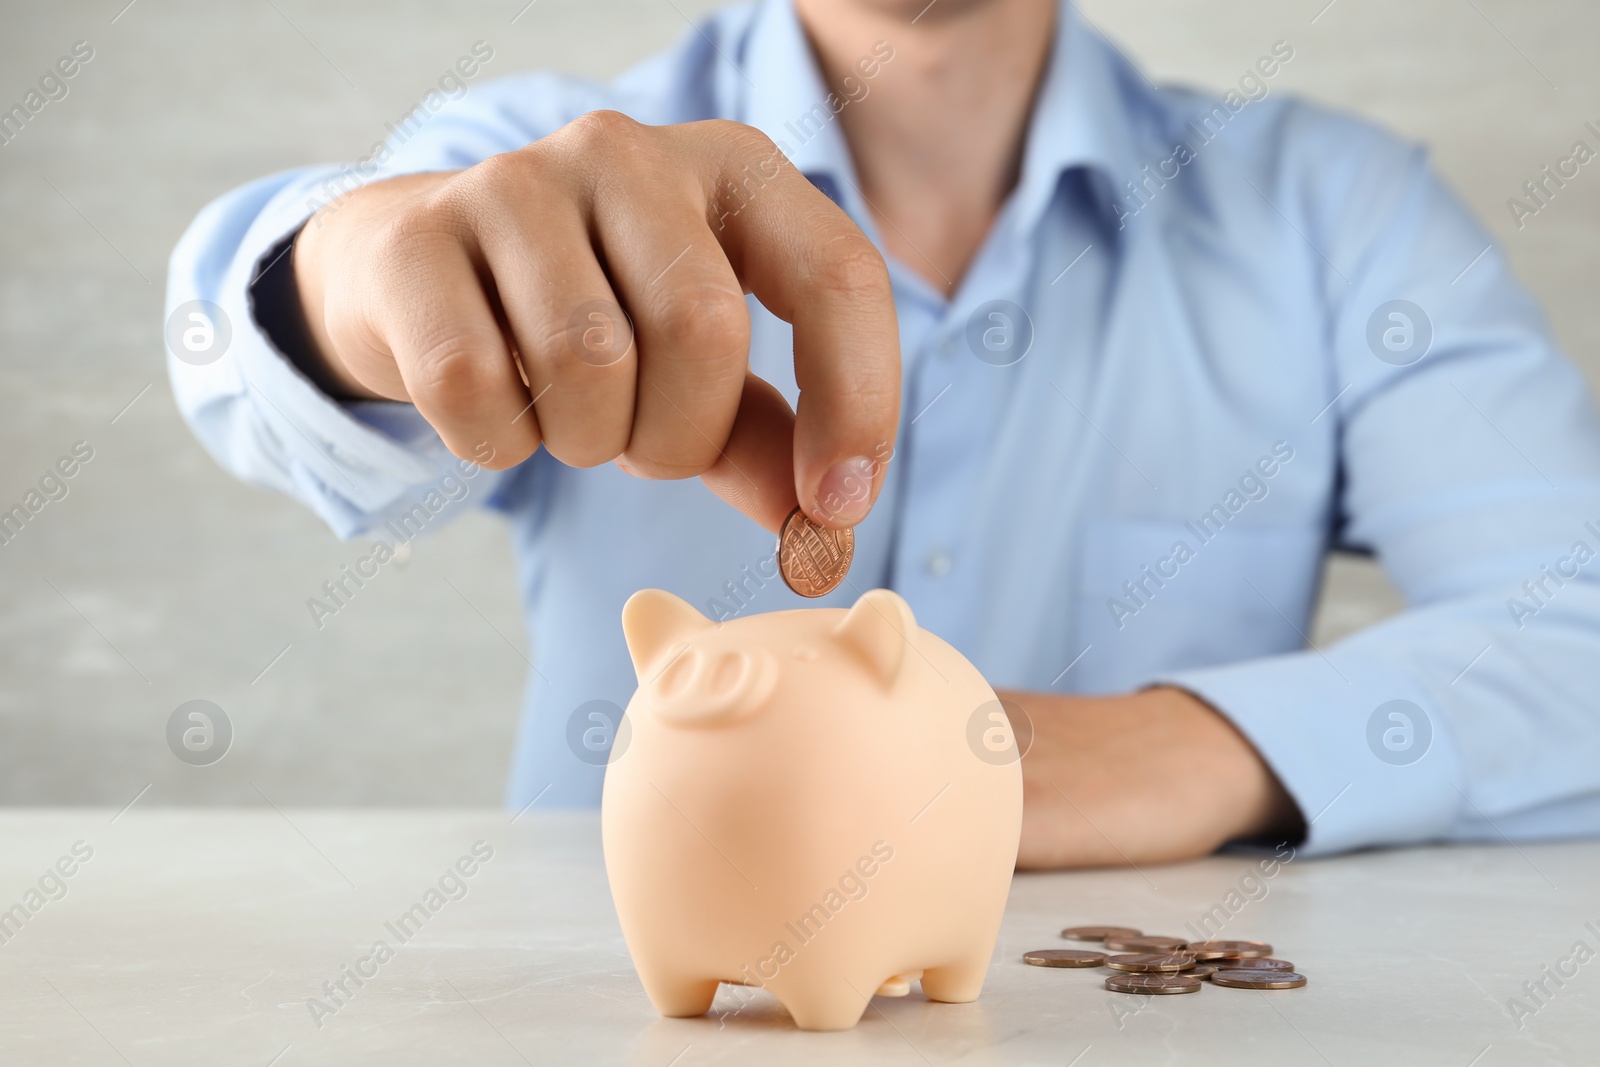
[811, 266]
[454, 359]
[575, 342]
[755, 472]
[692, 327]
[589, 292]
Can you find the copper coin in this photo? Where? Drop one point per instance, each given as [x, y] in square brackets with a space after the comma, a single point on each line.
[1150, 961]
[1159, 984]
[1212, 950]
[1200, 970]
[813, 559]
[1248, 979]
[1098, 933]
[1254, 963]
[1063, 957]
[1147, 943]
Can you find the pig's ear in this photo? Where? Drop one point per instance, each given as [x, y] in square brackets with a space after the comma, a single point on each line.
[877, 630]
[654, 621]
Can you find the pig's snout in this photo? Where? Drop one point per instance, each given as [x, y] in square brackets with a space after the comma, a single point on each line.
[709, 687]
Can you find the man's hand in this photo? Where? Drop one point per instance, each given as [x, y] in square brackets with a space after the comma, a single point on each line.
[587, 293]
[1150, 777]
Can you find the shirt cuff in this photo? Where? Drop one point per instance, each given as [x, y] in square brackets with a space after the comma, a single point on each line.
[1357, 744]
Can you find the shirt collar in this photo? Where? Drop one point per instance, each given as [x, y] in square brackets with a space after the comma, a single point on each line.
[1082, 115]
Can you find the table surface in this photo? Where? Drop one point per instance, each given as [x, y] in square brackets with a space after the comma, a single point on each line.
[200, 936]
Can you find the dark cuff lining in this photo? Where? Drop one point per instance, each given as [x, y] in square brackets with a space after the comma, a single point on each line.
[275, 306]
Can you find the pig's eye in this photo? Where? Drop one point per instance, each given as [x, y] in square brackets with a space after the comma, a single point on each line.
[804, 653]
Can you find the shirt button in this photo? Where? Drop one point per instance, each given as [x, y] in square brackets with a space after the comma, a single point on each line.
[938, 563]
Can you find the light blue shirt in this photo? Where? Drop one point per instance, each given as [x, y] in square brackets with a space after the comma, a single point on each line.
[1172, 379]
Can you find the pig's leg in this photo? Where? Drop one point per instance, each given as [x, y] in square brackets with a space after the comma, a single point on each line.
[959, 982]
[832, 1005]
[676, 996]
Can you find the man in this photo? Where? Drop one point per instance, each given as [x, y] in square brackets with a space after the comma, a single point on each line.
[1140, 358]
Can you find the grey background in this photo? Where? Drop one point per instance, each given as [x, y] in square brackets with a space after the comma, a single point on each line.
[160, 579]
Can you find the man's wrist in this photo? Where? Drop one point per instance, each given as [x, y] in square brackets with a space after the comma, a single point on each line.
[1228, 759]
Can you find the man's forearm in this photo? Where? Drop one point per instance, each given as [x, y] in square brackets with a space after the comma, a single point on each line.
[1147, 777]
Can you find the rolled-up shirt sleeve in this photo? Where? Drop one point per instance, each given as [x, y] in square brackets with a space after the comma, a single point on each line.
[1472, 473]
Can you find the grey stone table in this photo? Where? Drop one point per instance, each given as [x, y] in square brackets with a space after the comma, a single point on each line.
[165, 936]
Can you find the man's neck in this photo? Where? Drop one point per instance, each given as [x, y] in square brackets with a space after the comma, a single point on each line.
[937, 142]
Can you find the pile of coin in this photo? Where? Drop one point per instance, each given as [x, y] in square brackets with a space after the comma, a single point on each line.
[1146, 964]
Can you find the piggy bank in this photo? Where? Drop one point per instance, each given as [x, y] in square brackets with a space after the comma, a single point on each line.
[822, 803]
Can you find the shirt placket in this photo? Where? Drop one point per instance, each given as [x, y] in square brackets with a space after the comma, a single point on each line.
[951, 396]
